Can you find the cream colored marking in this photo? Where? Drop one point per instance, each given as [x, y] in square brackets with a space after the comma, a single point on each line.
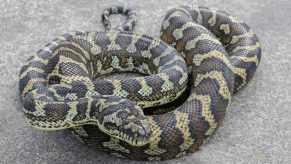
[131, 47]
[91, 37]
[225, 28]
[130, 64]
[248, 47]
[167, 84]
[173, 60]
[218, 76]
[145, 89]
[39, 109]
[236, 38]
[178, 33]
[206, 113]
[154, 43]
[146, 54]
[39, 59]
[184, 78]
[30, 83]
[132, 126]
[127, 67]
[54, 91]
[106, 71]
[192, 43]
[199, 58]
[235, 19]
[241, 71]
[48, 126]
[29, 69]
[88, 109]
[166, 52]
[91, 93]
[85, 54]
[100, 70]
[60, 124]
[95, 49]
[219, 55]
[98, 66]
[72, 112]
[104, 103]
[165, 99]
[38, 96]
[71, 96]
[64, 59]
[115, 62]
[83, 79]
[155, 138]
[182, 123]
[112, 38]
[70, 50]
[118, 91]
[112, 118]
[156, 61]
[184, 74]
[113, 144]
[145, 68]
[246, 59]
[212, 19]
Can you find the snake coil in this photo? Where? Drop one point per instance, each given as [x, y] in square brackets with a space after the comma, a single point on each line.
[204, 56]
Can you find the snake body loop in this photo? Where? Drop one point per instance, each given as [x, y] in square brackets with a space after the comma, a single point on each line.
[239, 40]
[218, 55]
[228, 42]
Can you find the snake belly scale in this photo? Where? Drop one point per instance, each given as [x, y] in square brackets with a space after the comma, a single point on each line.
[59, 89]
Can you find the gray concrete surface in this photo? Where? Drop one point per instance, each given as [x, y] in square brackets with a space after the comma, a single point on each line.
[256, 128]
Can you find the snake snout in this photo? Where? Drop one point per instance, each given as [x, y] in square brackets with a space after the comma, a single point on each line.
[126, 121]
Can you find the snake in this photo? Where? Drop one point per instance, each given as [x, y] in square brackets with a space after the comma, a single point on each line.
[188, 77]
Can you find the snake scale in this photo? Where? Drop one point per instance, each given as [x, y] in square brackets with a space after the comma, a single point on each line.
[204, 56]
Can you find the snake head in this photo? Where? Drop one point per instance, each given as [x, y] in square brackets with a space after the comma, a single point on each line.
[123, 119]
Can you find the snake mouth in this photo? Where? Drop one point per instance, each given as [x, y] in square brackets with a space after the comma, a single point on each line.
[132, 140]
[135, 141]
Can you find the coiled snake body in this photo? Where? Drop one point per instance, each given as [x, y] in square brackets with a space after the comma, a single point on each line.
[59, 89]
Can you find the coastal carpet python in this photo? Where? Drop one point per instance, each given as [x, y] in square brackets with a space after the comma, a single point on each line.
[187, 80]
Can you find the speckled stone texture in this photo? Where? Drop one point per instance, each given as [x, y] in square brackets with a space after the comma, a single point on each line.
[257, 128]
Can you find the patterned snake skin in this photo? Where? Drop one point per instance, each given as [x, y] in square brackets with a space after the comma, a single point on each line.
[60, 88]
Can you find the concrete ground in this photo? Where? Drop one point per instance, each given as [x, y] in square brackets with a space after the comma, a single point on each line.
[256, 128]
